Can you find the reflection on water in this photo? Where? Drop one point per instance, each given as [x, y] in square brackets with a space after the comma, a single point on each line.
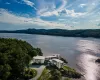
[80, 53]
[86, 61]
[88, 66]
[88, 46]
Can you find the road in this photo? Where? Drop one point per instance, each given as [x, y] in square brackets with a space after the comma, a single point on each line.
[39, 70]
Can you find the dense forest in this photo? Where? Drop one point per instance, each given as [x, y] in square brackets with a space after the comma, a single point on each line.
[15, 56]
[60, 32]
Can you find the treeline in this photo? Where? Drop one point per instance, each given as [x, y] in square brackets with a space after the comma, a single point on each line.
[60, 32]
[15, 56]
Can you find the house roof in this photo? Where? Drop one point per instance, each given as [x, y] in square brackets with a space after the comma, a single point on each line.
[57, 60]
[50, 56]
[39, 57]
[53, 56]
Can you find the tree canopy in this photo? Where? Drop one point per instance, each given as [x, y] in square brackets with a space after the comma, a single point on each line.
[15, 55]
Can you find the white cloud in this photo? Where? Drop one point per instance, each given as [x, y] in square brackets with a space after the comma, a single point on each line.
[93, 4]
[72, 13]
[82, 5]
[7, 17]
[29, 3]
[75, 22]
[62, 19]
[47, 11]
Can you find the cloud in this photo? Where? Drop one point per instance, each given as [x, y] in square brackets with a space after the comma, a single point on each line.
[62, 10]
[72, 13]
[61, 19]
[7, 17]
[75, 22]
[45, 10]
[29, 3]
[82, 5]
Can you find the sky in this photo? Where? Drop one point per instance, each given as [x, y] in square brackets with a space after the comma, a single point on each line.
[49, 14]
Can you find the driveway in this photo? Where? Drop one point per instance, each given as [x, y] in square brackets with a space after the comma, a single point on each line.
[39, 69]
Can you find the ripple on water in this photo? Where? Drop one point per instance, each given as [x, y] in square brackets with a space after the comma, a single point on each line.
[88, 66]
[86, 60]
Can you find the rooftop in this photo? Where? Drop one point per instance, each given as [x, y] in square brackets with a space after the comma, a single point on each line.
[57, 60]
[50, 56]
[54, 55]
[39, 57]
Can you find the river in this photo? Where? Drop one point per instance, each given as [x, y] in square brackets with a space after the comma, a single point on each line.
[80, 53]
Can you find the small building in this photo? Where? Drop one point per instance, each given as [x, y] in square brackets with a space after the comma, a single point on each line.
[57, 55]
[50, 57]
[54, 56]
[57, 62]
[39, 59]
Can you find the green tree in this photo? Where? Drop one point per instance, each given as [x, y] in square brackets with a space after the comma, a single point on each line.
[15, 55]
[55, 75]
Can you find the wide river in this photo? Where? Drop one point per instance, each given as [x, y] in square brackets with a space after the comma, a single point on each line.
[80, 53]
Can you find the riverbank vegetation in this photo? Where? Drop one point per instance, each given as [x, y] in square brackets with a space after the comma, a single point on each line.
[70, 73]
[15, 56]
[54, 73]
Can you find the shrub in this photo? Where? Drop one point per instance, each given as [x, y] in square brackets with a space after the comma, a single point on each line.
[29, 73]
[69, 72]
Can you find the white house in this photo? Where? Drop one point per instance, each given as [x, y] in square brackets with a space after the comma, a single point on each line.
[57, 55]
[38, 59]
[54, 60]
[50, 57]
[54, 56]
[57, 62]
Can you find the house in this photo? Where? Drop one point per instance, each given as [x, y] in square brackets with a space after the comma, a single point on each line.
[57, 62]
[38, 59]
[51, 60]
[50, 57]
[57, 55]
[54, 56]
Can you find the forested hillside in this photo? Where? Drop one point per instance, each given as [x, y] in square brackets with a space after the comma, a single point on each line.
[15, 56]
[60, 32]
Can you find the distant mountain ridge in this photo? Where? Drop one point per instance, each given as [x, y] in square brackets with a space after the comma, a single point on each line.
[59, 32]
